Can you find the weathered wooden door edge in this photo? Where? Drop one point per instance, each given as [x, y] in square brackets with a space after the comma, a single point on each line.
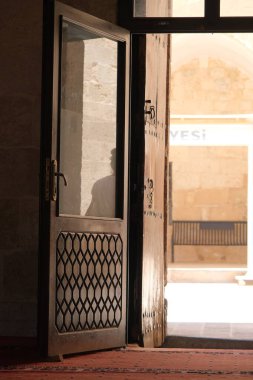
[135, 332]
[137, 154]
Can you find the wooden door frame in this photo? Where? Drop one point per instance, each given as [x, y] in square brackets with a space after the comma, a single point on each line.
[136, 202]
[212, 22]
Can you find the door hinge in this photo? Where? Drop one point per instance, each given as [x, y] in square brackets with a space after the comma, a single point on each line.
[54, 167]
[149, 111]
[47, 179]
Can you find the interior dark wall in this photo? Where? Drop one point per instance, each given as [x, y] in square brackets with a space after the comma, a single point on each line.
[20, 97]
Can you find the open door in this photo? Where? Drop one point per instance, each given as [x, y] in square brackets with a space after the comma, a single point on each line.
[153, 265]
[84, 206]
[148, 191]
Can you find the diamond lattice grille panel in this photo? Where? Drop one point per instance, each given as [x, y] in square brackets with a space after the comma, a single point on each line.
[88, 281]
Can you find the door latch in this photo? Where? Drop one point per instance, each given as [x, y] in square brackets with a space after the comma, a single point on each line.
[150, 110]
[54, 179]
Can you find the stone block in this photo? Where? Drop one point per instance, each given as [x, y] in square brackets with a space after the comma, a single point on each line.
[188, 213]
[28, 224]
[187, 182]
[18, 319]
[19, 225]
[1, 277]
[237, 196]
[222, 181]
[19, 172]
[235, 212]
[211, 255]
[210, 197]
[9, 237]
[19, 120]
[20, 276]
[232, 166]
[21, 47]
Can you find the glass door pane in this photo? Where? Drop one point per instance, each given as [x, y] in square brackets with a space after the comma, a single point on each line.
[169, 8]
[88, 123]
[236, 8]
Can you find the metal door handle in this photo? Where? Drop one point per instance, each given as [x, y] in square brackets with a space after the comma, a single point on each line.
[59, 174]
[150, 110]
[55, 174]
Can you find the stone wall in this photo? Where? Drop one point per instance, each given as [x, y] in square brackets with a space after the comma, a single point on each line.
[210, 184]
[209, 77]
[20, 98]
[206, 85]
[88, 125]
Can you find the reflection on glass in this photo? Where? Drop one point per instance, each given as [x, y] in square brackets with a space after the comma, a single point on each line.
[166, 8]
[103, 193]
[236, 8]
[88, 123]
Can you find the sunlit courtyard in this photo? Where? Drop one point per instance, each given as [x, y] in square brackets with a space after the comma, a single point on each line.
[211, 126]
[210, 310]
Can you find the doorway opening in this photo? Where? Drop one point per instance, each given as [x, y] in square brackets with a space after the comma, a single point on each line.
[210, 180]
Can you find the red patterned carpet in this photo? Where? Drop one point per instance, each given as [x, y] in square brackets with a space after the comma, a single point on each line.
[21, 363]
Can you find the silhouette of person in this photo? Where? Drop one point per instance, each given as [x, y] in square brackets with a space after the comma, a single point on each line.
[103, 193]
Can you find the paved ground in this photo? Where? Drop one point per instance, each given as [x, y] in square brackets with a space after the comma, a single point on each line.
[209, 315]
[233, 331]
[209, 303]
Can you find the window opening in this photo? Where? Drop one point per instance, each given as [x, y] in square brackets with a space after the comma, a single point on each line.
[236, 8]
[89, 123]
[182, 16]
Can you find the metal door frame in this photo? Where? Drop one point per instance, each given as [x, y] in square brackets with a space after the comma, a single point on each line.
[50, 108]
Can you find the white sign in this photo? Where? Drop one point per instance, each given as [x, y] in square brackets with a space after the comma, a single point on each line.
[211, 134]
